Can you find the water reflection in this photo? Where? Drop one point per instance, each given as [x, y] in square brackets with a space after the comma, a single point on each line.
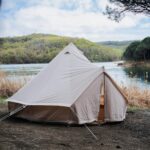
[142, 73]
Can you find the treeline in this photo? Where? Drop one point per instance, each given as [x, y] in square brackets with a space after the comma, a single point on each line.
[116, 44]
[138, 50]
[42, 48]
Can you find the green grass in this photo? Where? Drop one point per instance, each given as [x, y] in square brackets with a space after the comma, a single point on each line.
[134, 109]
[42, 48]
[3, 100]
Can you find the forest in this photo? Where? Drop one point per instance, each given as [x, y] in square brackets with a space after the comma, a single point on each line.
[42, 48]
[138, 50]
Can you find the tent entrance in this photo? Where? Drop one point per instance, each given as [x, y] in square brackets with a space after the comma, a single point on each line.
[113, 103]
[101, 109]
[101, 115]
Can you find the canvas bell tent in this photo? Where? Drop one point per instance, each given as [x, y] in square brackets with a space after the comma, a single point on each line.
[69, 90]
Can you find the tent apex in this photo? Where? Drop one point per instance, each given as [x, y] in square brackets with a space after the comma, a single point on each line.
[71, 44]
[72, 47]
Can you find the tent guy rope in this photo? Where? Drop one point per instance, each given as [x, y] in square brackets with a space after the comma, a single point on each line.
[12, 112]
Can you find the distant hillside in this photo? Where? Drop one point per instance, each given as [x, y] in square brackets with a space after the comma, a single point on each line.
[116, 44]
[41, 48]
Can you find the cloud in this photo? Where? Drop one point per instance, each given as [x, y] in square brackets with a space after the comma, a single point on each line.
[145, 26]
[68, 17]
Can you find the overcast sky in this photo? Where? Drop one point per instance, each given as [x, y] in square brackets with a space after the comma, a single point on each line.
[76, 18]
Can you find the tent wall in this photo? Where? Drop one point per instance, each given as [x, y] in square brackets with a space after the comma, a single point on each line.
[86, 107]
[115, 103]
[61, 82]
[45, 113]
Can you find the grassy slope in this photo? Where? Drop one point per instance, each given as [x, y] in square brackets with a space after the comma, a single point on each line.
[38, 48]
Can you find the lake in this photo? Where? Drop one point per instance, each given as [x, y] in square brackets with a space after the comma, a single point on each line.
[139, 77]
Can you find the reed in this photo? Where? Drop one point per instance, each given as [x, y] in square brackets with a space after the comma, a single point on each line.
[137, 97]
[7, 86]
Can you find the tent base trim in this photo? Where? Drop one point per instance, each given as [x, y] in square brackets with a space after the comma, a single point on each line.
[44, 113]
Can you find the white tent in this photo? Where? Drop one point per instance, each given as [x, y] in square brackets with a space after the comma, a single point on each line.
[68, 90]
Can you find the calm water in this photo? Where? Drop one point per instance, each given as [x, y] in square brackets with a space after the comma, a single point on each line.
[139, 77]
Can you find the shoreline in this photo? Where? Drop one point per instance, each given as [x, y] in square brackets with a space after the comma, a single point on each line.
[135, 64]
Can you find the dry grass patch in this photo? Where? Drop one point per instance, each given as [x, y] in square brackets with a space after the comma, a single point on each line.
[9, 87]
[137, 97]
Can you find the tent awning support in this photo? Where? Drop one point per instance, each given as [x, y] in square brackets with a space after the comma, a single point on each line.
[95, 137]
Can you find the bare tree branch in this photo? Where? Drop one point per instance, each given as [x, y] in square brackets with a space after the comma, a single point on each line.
[0, 3]
[122, 6]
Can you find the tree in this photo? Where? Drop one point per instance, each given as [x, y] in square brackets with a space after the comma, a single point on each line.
[122, 6]
[129, 53]
[139, 50]
[143, 49]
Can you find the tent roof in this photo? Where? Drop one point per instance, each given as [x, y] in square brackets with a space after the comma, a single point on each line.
[65, 78]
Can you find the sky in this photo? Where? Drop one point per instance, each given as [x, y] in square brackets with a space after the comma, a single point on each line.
[75, 18]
